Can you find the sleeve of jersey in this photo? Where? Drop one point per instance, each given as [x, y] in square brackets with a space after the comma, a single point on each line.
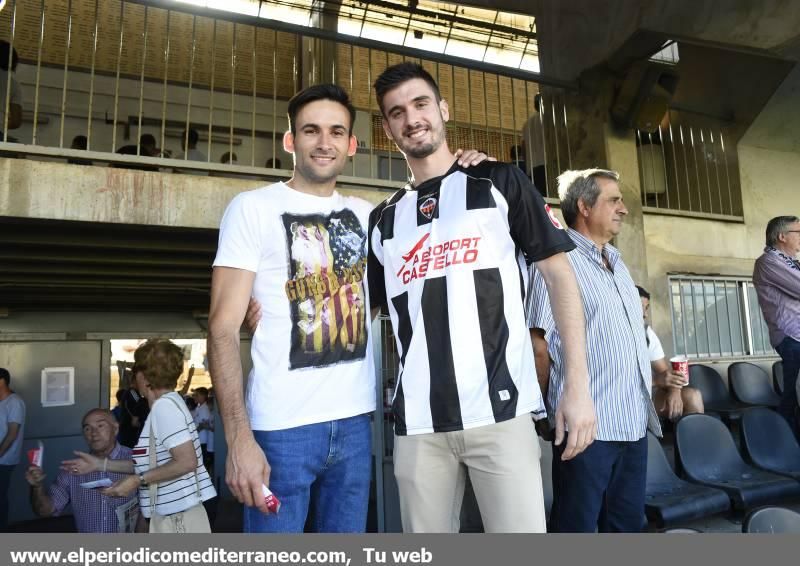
[375, 278]
[240, 237]
[534, 227]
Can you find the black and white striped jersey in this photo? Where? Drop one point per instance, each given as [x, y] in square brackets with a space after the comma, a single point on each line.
[448, 258]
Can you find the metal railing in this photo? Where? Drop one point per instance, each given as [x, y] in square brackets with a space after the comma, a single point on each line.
[115, 70]
[689, 169]
[717, 317]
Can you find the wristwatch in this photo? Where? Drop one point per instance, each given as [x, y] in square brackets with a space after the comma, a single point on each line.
[142, 481]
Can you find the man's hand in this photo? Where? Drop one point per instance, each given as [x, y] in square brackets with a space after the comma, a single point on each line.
[34, 475]
[246, 470]
[575, 413]
[122, 488]
[83, 464]
[470, 157]
[673, 404]
[252, 316]
[669, 379]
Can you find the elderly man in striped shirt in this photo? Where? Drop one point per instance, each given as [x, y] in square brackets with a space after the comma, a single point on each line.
[93, 512]
[602, 488]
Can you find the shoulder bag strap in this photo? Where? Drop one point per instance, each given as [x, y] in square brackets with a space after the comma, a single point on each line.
[153, 487]
[196, 478]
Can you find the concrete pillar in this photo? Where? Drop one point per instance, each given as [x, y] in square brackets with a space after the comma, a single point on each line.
[621, 157]
[595, 142]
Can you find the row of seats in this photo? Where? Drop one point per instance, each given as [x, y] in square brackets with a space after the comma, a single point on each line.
[720, 478]
[749, 386]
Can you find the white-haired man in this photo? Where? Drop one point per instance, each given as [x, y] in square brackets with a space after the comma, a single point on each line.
[602, 488]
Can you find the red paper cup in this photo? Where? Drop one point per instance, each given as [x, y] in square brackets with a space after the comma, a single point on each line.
[680, 364]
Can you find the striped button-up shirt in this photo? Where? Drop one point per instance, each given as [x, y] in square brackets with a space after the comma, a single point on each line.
[94, 512]
[617, 357]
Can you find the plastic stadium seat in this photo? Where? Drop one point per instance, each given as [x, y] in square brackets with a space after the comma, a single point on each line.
[669, 499]
[709, 457]
[777, 377]
[716, 398]
[769, 442]
[750, 385]
[772, 520]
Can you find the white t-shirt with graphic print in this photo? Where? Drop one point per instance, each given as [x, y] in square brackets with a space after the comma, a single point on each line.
[312, 352]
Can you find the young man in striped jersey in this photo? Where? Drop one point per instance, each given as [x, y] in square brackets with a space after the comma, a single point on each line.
[604, 487]
[447, 257]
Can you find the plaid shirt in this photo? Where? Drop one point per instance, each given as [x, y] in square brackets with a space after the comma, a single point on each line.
[94, 513]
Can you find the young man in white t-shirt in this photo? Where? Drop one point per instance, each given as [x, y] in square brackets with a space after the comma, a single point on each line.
[672, 396]
[299, 248]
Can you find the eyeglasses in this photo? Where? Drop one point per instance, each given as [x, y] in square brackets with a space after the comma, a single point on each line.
[792, 231]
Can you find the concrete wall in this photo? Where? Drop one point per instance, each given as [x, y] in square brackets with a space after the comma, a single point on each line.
[769, 162]
[38, 189]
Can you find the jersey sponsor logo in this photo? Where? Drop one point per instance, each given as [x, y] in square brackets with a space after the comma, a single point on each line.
[428, 207]
[327, 260]
[552, 216]
[420, 260]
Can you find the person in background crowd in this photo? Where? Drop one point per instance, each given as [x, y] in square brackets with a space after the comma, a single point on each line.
[12, 431]
[776, 277]
[204, 422]
[79, 142]
[189, 142]
[134, 409]
[602, 488]
[93, 512]
[191, 153]
[15, 102]
[230, 158]
[673, 397]
[117, 410]
[533, 147]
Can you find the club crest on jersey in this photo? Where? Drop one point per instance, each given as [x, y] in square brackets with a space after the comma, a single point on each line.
[553, 217]
[427, 207]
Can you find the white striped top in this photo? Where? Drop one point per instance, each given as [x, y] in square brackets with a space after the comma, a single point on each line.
[619, 364]
[172, 425]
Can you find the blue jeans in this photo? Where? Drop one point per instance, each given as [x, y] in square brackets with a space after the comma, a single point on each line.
[602, 488]
[789, 350]
[5, 481]
[320, 472]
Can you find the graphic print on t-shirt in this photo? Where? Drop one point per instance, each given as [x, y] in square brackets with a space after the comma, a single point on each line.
[327, 259]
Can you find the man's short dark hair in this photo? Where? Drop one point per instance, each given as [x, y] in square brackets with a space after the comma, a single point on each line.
[5, 376]
[396, 75]
[777, 226]
[643, 292]
[320, 92]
